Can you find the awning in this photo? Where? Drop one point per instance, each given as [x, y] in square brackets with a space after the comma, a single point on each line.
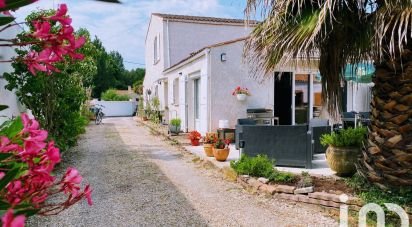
[360, 73]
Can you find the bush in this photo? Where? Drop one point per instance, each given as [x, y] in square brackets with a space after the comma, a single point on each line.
[176, 122]
[370, 193]
[259, 166]
[111, 95]
[351, 137]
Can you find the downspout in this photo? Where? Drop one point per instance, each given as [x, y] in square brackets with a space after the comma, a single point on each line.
[209, 88]
[168, 44]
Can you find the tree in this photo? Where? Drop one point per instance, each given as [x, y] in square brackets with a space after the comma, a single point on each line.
[343, 32]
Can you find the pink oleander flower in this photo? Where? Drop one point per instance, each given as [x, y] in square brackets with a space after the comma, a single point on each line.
[88, 193]
[6, 145]
[8, 219]
[71, 181]
[2, 3]
[61, 16]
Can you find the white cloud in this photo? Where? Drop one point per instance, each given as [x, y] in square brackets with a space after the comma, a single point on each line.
[122, 27]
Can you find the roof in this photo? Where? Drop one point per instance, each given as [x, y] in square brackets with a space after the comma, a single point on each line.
[187, 18]
[204, 48]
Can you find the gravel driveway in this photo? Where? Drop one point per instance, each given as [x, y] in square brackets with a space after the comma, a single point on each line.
[139, 179]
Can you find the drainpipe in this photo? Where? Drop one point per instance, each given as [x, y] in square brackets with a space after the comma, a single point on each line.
[209, 88]
[168, 43]
[186, 105]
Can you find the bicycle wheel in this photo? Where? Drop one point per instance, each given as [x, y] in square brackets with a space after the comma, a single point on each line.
[99, 118]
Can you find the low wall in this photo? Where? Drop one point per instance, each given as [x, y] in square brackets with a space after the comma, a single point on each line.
[118, 108]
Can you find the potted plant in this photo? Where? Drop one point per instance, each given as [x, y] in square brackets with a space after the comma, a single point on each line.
[174, 126]
[208, 142]
[241, 93]
[194, 137]
[221, 150]
[343, 149]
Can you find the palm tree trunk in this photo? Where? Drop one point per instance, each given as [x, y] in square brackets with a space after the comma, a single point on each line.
[387, 155]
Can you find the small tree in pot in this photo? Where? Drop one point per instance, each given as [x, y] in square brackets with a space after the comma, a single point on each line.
[221, 150]
[208, 141]
[174, 126]
[344, 148]
[194, 137]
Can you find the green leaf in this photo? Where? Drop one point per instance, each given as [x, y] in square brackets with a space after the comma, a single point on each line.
[4, 205]
[5, 20]
[3, 107]
[27, 212]
[12, 128]
[4, 156]
[10, 175]
[14, 4]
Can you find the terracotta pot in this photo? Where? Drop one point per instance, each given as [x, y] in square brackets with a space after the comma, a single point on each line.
[144, 118]
[208, 149]
[342, 160]
[194, 142]
[221, 154]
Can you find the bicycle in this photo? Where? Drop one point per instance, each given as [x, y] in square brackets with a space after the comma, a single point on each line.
[98, 112]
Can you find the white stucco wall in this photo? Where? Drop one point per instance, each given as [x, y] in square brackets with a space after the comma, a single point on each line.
[186, 37]
[225, 77]
[7, 97]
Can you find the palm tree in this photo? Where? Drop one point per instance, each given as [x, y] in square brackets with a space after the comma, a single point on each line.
[341, 32]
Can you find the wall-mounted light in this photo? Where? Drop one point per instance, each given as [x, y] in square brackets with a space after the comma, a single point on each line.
[159, 82]
[223, 57]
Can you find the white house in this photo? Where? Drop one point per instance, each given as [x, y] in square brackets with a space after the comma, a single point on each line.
[7, 97]
[194, 63]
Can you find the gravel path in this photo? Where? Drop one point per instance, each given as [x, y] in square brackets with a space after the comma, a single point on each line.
[139, 179]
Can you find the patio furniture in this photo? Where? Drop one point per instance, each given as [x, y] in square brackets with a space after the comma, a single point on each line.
[319, 127]
[289, 145]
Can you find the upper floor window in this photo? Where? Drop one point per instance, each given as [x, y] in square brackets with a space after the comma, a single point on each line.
[156, 49]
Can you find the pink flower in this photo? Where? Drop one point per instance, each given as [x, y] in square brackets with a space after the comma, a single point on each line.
[2, 174]
[9, 221]
[2, 3]
[61, 16]
[42, 29]
[6, 145]
[88, 194]
[53, 152]
[71, 181]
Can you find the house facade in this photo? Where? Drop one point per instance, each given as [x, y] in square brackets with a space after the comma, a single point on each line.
[7, 97]
[194, 63]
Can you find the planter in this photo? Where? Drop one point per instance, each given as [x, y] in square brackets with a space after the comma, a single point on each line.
[208, 149]
[221, 154]
[241, 97]
[194, 142]
[342, 160]
[144, 118]
[174, 129]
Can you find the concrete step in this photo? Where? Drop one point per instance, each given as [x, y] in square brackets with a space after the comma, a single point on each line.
[319, 157]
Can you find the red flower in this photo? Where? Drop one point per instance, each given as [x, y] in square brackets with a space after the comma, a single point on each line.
[8, 220]
[2, 3]
[61, 16]
[71, 181]
[88, 194]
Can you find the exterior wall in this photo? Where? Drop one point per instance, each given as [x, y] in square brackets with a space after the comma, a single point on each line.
[7, 97]
[186, 38]
[154, 70]
[183, 108]
[118, 108]
[225, 77]
[359, 96]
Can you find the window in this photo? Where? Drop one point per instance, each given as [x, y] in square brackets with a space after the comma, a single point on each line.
[176, 91]
[156, 49]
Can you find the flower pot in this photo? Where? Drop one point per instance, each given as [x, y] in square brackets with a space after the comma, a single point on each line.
[241, 97]
[342, 160]
[221, 154]
[208, 149]
[144, 118]
[194, 142]
[174, 129]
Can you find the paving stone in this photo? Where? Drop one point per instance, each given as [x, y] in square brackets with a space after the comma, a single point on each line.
[285, 189]
[325, 196]
[304, 190]
[271, 189]
[254, 183]
[243, 183]
[244, 177]
[288, 196]
[263, 180]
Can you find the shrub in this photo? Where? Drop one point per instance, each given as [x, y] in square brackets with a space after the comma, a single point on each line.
[111, 95]
[279, 176]
[259, 166]
[351, 137]
[175, 121]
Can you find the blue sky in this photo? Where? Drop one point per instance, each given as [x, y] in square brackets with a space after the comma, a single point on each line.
[123, 27]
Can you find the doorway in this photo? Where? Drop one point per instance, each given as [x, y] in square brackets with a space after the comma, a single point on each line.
[283, 97]
[196, 98]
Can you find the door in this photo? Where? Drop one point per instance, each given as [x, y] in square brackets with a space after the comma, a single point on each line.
[283, 97]
[196, 98]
